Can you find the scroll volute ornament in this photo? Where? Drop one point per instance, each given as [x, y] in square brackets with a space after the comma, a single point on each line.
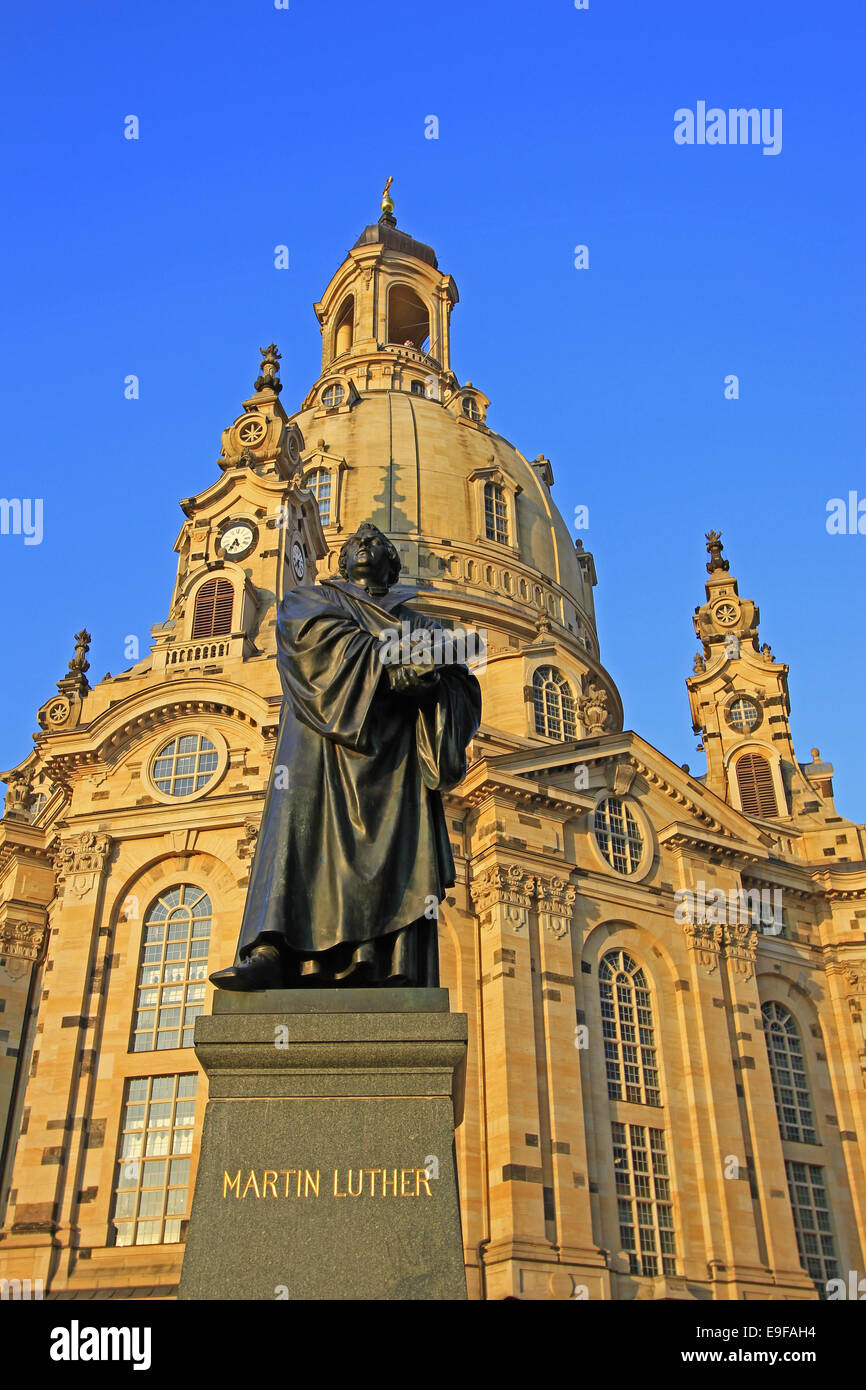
[556, 900]
[22, 944]
[79, 861]
[504, 894]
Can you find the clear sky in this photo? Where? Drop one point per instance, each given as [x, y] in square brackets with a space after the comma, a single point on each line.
[262, 126]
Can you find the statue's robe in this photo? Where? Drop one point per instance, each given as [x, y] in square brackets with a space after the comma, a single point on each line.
[353, 852]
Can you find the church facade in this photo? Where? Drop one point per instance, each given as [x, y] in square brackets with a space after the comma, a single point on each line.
[664, 973]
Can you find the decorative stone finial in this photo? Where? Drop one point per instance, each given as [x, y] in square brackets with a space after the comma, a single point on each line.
[714, 546]
[269, 379]
[79, 663]
[387, 204]
[19, 796]
[592, 708]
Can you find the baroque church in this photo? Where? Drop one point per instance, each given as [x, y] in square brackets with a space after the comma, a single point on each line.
[664, 1092]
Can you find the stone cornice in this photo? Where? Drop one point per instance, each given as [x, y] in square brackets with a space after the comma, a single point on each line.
[662, 784]
[20, 838]
[831, 880]
[484, 783]
[678, 836]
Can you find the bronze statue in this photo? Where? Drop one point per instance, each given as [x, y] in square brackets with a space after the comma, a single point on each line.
[353, 855]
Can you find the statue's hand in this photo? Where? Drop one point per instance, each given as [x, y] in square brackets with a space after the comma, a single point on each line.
[412, 680]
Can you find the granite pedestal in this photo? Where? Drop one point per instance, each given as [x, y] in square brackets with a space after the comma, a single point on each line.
[327, 1161]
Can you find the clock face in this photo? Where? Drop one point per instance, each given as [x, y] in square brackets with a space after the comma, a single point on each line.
[299, 564]
[238, 539]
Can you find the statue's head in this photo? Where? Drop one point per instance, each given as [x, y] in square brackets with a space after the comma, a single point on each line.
[369, 557]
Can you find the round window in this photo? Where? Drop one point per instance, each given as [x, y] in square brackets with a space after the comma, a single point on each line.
[185, 765]
[333, 395]
[618, 835]
[743, 714]
[252, 431]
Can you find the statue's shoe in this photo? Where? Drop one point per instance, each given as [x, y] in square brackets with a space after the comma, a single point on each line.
[262, 969]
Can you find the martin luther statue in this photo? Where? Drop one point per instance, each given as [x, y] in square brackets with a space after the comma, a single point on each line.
[353, 855]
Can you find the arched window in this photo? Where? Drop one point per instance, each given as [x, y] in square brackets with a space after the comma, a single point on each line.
[618, 835]
[755, 782]
[495, 513]
[788, 1071]
[628, 1032]
[470, 408]
[554, 704]
[319, 483]
[171, 982]
[345, 326]
[408, 319]
[213, 609]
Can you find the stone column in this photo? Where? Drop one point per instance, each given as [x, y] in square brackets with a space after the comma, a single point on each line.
[502, 896]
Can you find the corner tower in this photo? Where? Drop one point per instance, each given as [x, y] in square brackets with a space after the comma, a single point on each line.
[741, 708]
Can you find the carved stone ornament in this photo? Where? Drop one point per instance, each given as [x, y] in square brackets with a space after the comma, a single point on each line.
[269, 380]
[504, 893]
[737, 943]
[80, 860]
[21, 943]
[555, 904]
[19, 795]
[247, 844]
[707, 941]
[592, 708]
[741, 945]
[57, 711]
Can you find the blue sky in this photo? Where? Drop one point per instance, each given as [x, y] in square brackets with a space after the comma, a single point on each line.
[261, 126]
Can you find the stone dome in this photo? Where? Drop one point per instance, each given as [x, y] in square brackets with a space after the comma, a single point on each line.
[391, 436]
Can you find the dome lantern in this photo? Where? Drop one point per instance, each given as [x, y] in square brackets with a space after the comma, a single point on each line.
[389, 302]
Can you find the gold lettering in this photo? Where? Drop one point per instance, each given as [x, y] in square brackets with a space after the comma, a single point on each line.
[336, 1193]
[404, 1174]
[233, 1184]
[373, 1172]
[251, 1182]
[269, 1179]
[299, 1182]
[310, 1183]
[360, 1183]
[386, 1180]
[287, 1171]
[422, 1176]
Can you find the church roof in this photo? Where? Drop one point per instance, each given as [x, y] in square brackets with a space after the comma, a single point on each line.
[385, 232]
